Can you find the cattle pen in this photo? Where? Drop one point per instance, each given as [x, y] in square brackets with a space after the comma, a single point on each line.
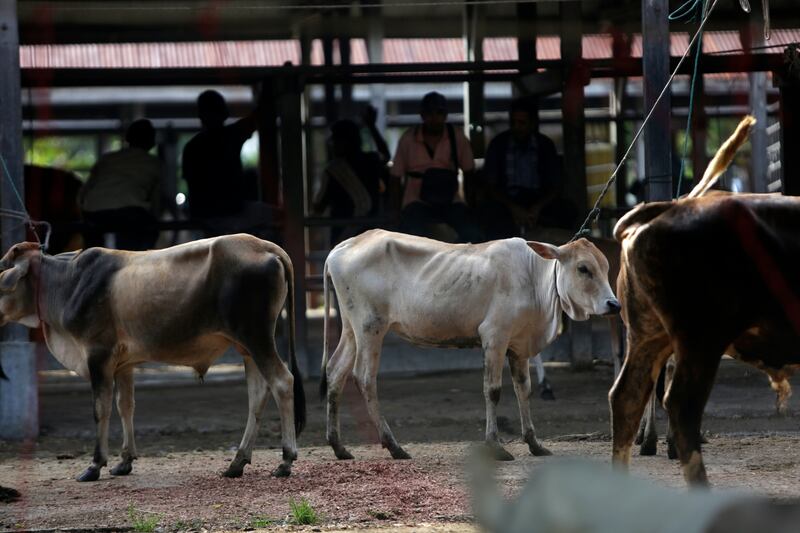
[187, 437]
[635, 97]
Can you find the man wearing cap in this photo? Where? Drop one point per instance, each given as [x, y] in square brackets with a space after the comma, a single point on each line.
[428, 157]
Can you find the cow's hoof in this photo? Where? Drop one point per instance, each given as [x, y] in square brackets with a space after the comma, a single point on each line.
[649, 447]
[399, 453]
[538, 450]
[703, 439]
[90, 474]
[343, 455]
[547, 394]
[234, 471]
[672, 452]
[283, 470]
[499, 453]
[122, 469]
[639, 437]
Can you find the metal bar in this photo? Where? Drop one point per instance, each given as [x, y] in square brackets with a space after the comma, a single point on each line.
[382, 73]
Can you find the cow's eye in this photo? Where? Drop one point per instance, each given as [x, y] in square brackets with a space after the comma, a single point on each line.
[583, 269]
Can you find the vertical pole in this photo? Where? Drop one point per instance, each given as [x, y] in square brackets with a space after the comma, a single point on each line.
[753, 35]
[331, 110]
[574, 133]
[268, 164]
[789, 83]
[375, 35]
[474, 122]
[657, 137]
[288, 96]
[19, 410]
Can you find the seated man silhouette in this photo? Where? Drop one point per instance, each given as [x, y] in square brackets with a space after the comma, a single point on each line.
[123, 192]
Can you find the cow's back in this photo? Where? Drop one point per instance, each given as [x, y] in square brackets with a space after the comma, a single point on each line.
[425, 289]
[716, 267]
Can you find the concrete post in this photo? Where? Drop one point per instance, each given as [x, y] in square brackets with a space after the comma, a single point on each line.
[19, 411]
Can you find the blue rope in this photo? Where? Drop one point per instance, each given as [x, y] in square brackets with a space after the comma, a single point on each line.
[690, 11]
[11, 182]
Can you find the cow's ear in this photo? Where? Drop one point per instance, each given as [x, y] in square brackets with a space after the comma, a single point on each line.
[548, 251]
[10, 278]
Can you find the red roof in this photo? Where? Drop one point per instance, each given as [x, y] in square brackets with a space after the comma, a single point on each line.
[277, 52]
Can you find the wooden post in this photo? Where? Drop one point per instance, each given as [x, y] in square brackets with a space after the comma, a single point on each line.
[375, 35]
[268, 164]
[789, 83]
[574, 126]
[657, 133]
[19, 403]
[288, 91]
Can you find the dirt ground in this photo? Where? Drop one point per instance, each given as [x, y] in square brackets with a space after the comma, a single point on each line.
[186, 435]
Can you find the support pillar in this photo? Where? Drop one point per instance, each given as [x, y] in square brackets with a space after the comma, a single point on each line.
[288, 91]
[752, 36]
[474, 119]
[657, 133]
[574, 133]
[19, 409]
[789, 83]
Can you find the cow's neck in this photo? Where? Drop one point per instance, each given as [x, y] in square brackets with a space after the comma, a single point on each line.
[53, 283]
[544, 274]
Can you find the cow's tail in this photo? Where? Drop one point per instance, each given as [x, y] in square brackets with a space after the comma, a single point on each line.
[723, 157]
[326, 298]
[299, 393]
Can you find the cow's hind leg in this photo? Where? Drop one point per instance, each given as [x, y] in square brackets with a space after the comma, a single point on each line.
[520, 372]
[546, 390]
[647, 429]
[257, 391]
[368, 343]
[339, 368]
[125, 407]
[631, 391]
[281, 382]
[102, 396]
[686, 399]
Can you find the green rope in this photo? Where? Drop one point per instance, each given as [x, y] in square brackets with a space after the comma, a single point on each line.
[687, 12]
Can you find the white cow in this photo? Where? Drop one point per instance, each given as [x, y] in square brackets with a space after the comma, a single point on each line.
[505, 296]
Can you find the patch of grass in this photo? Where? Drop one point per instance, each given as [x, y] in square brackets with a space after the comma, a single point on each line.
[143, 521]
[302, 513]
[184, 525]
[260, 522]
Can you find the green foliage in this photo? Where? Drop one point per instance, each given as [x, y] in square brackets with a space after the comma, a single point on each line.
[143, 521]
[302, 514]
[259, 522]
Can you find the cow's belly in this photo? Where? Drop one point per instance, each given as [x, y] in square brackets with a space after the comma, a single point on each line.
[197, 352]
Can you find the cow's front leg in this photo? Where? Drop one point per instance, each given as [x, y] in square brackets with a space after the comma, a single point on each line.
[102, 396]
[257, 390]
[125, 407]
[520, 372]
[493, 356]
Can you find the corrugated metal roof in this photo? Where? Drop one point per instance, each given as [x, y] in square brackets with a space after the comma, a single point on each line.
[277, 52]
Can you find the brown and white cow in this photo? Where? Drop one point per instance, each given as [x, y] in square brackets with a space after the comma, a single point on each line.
[700, 275]
[105, 311]
[505, 296]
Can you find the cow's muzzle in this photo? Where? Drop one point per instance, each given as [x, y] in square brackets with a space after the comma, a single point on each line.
[613, 307]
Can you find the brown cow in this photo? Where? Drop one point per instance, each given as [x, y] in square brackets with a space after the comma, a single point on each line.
[105, 311]
[698, 276]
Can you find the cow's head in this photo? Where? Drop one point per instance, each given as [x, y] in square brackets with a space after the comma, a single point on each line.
[581, 278]
[17, 293]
